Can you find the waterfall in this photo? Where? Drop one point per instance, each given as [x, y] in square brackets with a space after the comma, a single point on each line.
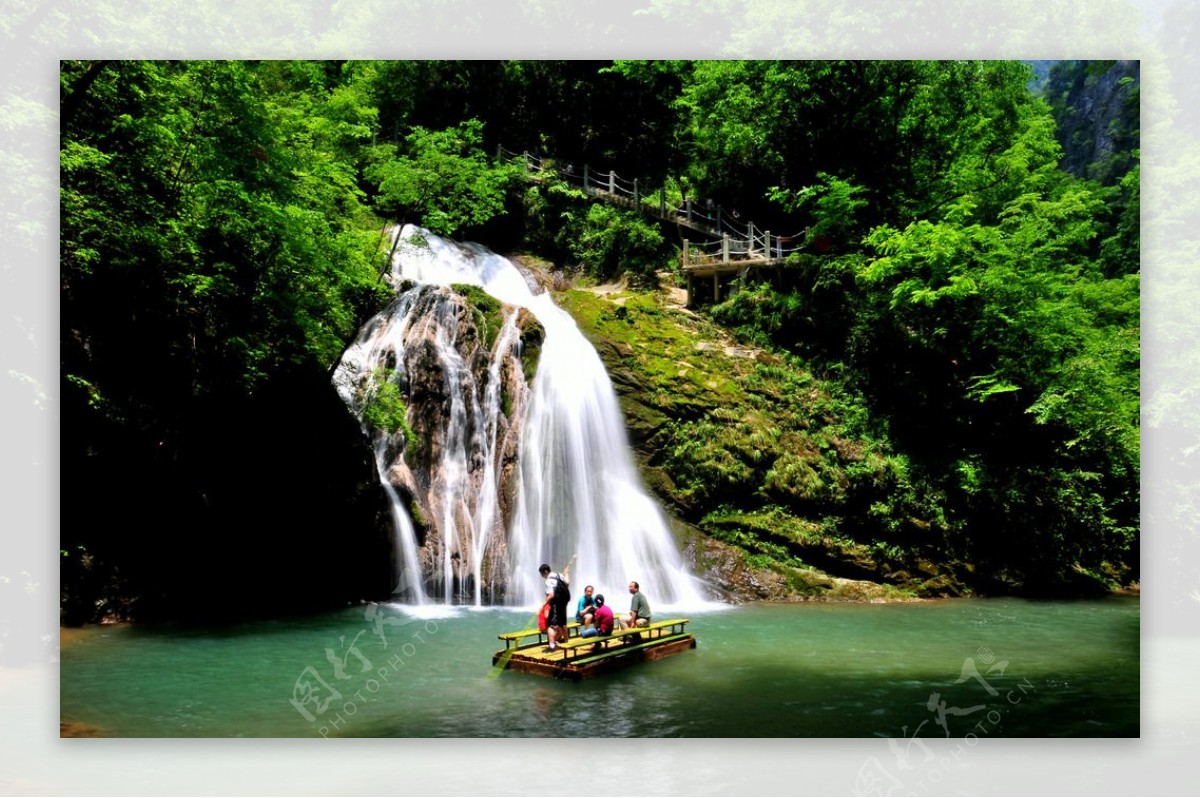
[569, 491]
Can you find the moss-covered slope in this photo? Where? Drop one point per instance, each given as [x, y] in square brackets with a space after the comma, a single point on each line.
[786, 491]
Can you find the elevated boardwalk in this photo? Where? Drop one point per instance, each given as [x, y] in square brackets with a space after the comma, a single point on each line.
[734, 257]
[732, 246]
[587, 657]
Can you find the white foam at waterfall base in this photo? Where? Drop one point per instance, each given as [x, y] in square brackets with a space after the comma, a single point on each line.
[580, 501]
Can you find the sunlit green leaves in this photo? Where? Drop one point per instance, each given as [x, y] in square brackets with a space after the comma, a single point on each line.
[233, 211]
[384, 409]
[442, 180]
[834, 205]
[613, 241]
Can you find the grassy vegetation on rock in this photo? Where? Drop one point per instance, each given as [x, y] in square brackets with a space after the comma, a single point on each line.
[762, 455]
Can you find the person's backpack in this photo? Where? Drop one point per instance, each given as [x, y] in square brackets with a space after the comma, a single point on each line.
[562, 591]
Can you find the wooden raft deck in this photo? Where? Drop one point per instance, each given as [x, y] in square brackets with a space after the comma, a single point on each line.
[586, 657]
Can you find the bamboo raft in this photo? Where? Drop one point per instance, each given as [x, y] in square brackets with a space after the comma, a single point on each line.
[584, 657]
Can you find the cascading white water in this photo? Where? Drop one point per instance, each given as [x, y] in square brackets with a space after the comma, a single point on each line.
[578, 497]
[447, 457]
[378, 342]
[581, 498]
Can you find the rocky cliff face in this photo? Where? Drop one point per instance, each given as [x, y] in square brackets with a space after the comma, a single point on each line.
[1096, 106]
[439, 381]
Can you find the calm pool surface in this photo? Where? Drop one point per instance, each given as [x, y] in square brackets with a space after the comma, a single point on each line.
[999, 667]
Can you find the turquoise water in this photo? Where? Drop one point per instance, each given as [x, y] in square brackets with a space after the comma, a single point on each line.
[1001, 667]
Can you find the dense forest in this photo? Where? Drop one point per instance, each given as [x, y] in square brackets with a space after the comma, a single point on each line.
[964, 308]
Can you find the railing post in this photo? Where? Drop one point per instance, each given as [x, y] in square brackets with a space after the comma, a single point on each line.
[612, 182]
[525, 155]
[585, 178]
[688, 204]
[725, 248]
[685, 252]
[767, 245]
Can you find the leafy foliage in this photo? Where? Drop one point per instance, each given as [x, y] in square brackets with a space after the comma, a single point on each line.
[217, 254]
[600, 240]
[442, 180]
[953, 357]
[385, 409]
[613, 241]
[981, 300]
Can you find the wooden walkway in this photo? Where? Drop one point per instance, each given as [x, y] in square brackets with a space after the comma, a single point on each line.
[733, 246]
[715, 270]
[731, 257]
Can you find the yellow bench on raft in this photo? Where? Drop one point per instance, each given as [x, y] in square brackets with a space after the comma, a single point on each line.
[510, 638]
[654, 631]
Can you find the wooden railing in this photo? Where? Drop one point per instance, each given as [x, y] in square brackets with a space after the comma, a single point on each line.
[730, 238]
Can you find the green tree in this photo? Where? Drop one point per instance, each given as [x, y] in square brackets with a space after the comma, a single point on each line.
[1009, 355]
[986, 308]
[217, 254]
[913, 134]
[613, 241]
[442, 180]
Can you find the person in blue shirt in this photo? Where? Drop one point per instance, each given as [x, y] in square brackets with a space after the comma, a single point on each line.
[586, 607]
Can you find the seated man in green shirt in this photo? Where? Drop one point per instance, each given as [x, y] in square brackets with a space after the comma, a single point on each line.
[639, 608]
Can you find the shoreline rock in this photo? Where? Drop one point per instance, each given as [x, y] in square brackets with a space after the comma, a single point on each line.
[76, 728]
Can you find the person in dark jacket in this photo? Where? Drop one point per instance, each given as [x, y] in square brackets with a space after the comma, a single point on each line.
[556, 619]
